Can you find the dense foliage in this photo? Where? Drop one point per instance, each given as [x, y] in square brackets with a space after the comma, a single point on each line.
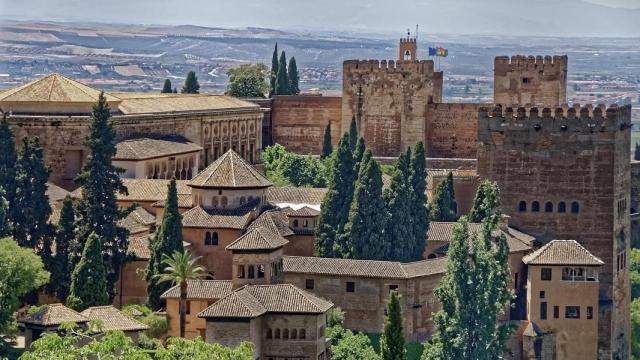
[191, 85]
[167, 88]
[283, 80]
[294, 78]
[443, 204]
[350, 346]
[392, 344]
[248, 80]
[288, 169]
[327, 146]
[274, 71]
[419, 211]
[282, 77]
[63, 266]
[487, 199]
[89, 278]
[400, 224]
[7, 160]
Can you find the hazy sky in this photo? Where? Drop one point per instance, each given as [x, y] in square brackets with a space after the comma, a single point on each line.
[461, 16]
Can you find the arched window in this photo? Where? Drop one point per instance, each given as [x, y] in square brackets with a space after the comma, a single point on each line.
[294, 334]
[522, 206]
[562, 207]
[303, 334]
[240, 271]
[214, 201]
[252, 272]
[305, 223]
[269, 333]
[277, 334]
[242, 200]
[223, 201]
[213, 239]
[575, 207]
[285, 334]
[407, 55]
[260, 271]
[548, 207]
[295, 223]
[535, 206]
[207, 238]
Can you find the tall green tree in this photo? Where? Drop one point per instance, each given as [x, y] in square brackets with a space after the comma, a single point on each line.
[167, 88]
[191, 85]
[352, 346]
[443, 207]
[399, 225]
[486, 201]
[294, 78]
[634, 274]
[327, 146]
[274, 71]
[89, 278]
[334, 211]
[168, 240]
[31, 209]
[635, 329]
[282, 79]
[353, 134]
[473, 293]
[248, 80]
[392, 340]
[5, 229]
[179, 269]
[65, 243]
[358, 155]
[97, 209]
[21, 271]
[364, 234]
[419, 210]
[7, 160]
[636, 155]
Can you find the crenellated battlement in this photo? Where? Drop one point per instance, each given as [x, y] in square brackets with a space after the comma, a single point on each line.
[389, 66]
[504, 64]
[407, 40]
[567, 118]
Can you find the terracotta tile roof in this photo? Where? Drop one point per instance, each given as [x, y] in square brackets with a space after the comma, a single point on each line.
[56, 193]
[146, 190]
[273, 220]
[139, 220]
[443, 231]
[184, 201]
[53, 88]
[293, 195]
[304, 211]
[149, 148]
[139, 247]
[144, 104]
[457, 173]
[254, 300]
[53, 315]
[217, 218]
[562, 252]
[230, 171]
[201, 289]
[362, 268]
[54, 218]
[258, 239]
[113, 319]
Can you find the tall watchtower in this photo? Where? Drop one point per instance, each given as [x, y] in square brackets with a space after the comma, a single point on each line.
[408, 48]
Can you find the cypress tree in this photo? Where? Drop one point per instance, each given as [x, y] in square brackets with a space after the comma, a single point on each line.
[399, 225]
[358, 154]
[4, 215]
[353, 134]
[327, 147]
[274, 71]
[168, 239]
[175, 90]
[336, 203]
[282, 80]
[88, 281]
[392, 340]
[97, 208]
[7, 161]
[294, 78]
[487, 200]
[419, 210]
[31, 209]
[364, 234]
[636, 155]
[167, 88]
[65, 242]
[191, 85]
[443, 202]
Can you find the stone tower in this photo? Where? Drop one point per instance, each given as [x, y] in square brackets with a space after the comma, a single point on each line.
[408, 49]
[565, 174]
[537, 81]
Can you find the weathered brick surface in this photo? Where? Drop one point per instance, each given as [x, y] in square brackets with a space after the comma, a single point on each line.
[451, 130]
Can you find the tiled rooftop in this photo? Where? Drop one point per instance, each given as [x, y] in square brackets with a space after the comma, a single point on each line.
[443, 231]
[149, 148]
[199, 217]
[273, 220]
[53, 315]
[293, 195]
[53, 88]
[258, 238]
[113, 319]
[230, 171]
[139, 220]
[202, 289]
[562, 252]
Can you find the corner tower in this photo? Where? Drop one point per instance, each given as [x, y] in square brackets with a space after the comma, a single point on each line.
[408, 48]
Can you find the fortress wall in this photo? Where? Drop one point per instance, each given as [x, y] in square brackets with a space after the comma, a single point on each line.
[451, 130]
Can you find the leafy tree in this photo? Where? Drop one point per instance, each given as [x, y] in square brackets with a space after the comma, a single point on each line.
[443, 203]
[191, 85]
[294, 78]
[167, 88]
[364, 235]
[334, 211]
[399, 225]
[248, 81]
[473, 293]
[392, 340]
[635, 328]
[5, 229]
[327, 147]
[31, 209]
[358, 154]
[353, 347]
[65, 242]
[168, 240]
[7, 160]
[180, 268]
[487, 200]
[353, 134]
[636, 155]
[335, 317]
[285, 169]
[419, 210]
[274, 71]
[21, 271]
[157, 324]
[89, 278]
[282, 78]
[634, 273]
[97, 209]
[198, 349]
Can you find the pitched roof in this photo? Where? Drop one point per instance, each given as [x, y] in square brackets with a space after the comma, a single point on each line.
[149, 148]
[304, 211]
[254, 300]
[562, 252]
[53, 88]
[201, 289]
[113, 319]
[199, 217]
[295, 196]
[273, 220]
[258, 238]
[55, 193]
[443, 231]
[363, 268]
[146, 190]
[139, 247]
[146, 104]
[139, 220]
[52, 315]
[230, 171]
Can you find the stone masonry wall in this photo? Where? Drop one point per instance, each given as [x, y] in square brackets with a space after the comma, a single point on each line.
[451, 130]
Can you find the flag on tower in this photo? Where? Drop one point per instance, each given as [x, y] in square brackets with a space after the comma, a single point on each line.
[433, 51]
[442, 52]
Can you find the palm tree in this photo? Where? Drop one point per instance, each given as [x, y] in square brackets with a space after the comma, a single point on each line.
[181, 267]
